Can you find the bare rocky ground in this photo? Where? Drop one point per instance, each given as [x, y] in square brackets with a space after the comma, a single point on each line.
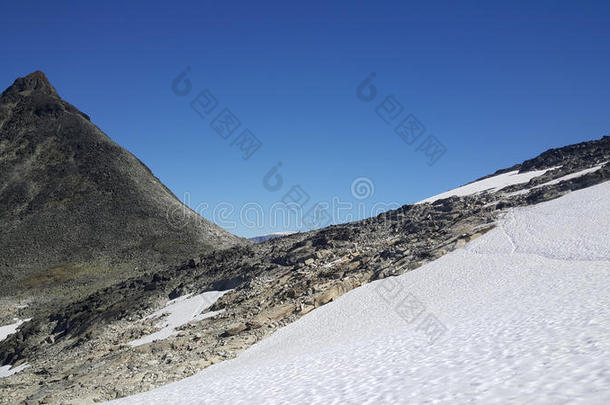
[79, 353]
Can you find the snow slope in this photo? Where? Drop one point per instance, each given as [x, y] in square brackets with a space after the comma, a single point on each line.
[492, 184]
[525, 309]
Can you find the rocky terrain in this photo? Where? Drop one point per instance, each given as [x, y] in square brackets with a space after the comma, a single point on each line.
[81, 352]
[78, 212]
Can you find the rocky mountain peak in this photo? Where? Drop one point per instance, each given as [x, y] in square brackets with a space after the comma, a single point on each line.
[36, 81]
[76, 206]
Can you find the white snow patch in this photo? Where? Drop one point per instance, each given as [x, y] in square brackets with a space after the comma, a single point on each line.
[179, 312]
[7, 330]
[7, 371]
[526, 311]
[491, 184]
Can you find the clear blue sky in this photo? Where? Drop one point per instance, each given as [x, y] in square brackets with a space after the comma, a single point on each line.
[495, 82]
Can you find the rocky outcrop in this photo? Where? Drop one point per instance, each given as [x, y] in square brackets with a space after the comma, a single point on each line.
[584, 154]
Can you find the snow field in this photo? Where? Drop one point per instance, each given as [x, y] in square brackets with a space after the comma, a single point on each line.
[525, 308]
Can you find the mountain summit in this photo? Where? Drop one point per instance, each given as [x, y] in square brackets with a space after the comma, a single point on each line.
[36, 81]
[76, 209]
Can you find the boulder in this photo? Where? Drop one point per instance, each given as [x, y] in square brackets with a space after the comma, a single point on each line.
[235, 330]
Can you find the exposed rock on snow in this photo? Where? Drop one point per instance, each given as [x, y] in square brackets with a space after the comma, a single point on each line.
[558, 180]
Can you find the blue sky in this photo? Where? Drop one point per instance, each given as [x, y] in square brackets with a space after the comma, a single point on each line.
[494, 82]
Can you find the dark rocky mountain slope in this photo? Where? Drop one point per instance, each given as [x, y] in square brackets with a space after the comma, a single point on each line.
[77, 211]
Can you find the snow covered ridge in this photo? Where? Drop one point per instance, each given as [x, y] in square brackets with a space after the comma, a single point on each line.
[496, 183]
[492, 184]
[526, 312]
[559, 180]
